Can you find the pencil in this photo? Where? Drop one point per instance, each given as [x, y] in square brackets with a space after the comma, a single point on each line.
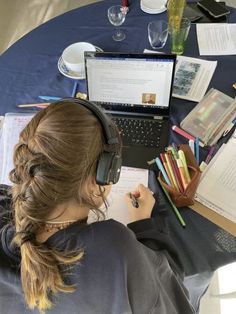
[175, 209]
[134, 200]
[40, 105]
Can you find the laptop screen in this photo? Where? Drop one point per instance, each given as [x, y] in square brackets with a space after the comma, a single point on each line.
[130, 82]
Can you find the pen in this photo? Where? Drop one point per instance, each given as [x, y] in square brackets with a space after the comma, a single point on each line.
[210, 155]
[161, 168]
[49, 98]
[134, 200]
[176, 211]
[232, 124]
[196, 146]
[225, 138]
[182, 132]
[73, 94]
[191, 145]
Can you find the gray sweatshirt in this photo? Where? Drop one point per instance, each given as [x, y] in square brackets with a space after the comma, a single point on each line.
[123, 271]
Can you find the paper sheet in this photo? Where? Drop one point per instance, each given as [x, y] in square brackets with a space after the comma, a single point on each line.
[217, 188]
[129, 180]
[192, 77]
[216, 39]
[12, 126]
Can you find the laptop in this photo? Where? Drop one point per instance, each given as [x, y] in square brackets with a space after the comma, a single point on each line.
[135, 89]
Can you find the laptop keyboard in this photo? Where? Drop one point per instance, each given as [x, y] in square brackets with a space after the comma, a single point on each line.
[139, 131]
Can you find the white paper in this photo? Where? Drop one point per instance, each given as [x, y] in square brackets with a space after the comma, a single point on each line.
[192, 77]
[217, 187]
[12, 126]
[129, 180]
[216, 38]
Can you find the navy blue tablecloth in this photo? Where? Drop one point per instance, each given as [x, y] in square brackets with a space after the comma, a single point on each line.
[29, 69]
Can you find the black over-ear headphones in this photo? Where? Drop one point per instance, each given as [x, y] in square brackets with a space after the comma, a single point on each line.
[110, 161]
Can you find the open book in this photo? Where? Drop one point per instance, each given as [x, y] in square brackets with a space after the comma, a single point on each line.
[217, 187]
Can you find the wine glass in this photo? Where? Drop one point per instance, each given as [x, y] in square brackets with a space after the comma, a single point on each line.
[116, 15]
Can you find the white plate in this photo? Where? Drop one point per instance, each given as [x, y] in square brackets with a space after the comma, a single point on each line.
[153, 4]
[152, 11]
[71, 74]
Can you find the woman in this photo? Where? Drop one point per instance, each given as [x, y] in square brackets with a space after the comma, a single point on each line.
[68, 265]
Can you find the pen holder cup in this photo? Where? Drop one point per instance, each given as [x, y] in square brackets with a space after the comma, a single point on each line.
[185, 198]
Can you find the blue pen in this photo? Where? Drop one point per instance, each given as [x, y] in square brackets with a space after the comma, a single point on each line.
[161, 168]
[49, 98]
[73, 94]
[197, 150]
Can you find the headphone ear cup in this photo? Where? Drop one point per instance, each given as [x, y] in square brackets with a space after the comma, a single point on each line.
[108, 168]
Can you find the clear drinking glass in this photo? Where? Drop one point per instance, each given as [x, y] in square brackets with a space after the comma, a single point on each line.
[116, 16]
[157, 33]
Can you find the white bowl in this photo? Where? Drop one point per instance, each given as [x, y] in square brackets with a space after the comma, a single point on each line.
[73, 56]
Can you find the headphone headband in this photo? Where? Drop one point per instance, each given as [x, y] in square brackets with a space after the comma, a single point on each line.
[109, 162]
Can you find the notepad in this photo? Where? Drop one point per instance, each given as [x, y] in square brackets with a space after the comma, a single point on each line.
[13, 124]
[129, 180]
[217, 187]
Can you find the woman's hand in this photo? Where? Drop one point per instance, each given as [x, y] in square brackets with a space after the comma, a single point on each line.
[145, 201]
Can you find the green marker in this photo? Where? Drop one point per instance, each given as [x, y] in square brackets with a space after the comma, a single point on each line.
[176, 211]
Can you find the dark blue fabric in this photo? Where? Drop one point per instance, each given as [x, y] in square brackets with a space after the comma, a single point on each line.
[29, 67]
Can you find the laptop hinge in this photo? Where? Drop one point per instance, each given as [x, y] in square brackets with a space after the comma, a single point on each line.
[158, 118]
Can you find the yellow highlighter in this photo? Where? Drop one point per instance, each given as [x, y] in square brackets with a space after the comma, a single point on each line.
[185, 166]
[171, 172]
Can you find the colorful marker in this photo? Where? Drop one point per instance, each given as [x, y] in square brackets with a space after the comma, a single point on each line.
[161, 168]
[183, 133]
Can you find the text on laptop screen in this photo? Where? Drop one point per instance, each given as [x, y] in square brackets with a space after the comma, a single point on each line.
[130, 81]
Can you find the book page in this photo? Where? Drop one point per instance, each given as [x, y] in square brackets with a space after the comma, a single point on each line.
[129, 180]
[192, 77]
[12, 126]
[217, 188]
[216, 39]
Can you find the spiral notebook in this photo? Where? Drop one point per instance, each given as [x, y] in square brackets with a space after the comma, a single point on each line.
[12, 125]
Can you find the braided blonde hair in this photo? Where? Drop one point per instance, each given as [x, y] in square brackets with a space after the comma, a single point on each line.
[56, 154]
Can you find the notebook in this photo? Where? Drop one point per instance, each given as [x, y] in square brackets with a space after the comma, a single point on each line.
[135, 89]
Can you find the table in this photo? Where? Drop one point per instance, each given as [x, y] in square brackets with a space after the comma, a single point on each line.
[29, 69]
